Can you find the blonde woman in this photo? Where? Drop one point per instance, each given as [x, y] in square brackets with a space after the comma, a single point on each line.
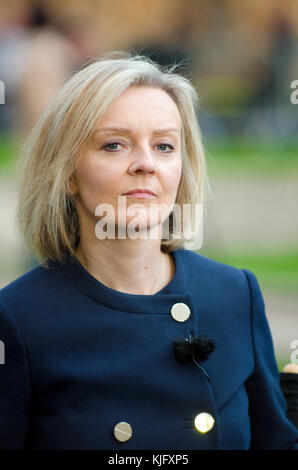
[129, 341]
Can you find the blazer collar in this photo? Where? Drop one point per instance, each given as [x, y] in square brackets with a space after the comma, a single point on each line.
[160, 303]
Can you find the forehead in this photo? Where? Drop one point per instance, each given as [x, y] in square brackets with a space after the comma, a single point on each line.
[143, 104]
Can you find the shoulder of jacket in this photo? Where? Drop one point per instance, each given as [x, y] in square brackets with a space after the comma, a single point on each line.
[24, 285]
[214, 274]
[211, 265]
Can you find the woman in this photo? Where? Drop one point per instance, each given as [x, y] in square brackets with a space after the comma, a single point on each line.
[129, 342]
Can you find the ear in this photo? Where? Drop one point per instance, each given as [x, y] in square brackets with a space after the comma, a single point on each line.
[71, 186]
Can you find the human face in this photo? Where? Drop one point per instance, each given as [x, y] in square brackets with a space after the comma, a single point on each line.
[141, 156]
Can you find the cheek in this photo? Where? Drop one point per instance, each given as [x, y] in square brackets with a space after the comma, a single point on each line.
[172, 178]
[94, 180]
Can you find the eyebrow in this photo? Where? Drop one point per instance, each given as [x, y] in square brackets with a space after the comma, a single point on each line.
[124, 130]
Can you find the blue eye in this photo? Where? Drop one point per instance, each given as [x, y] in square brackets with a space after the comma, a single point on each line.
[107, 147]
[110, 143]
[166, 145]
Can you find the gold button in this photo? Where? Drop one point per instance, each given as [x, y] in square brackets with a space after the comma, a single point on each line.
[180, 312]
[122, 431]
[204, 422]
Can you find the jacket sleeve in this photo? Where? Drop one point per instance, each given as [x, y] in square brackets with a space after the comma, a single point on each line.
[270, 428]
[14, 384]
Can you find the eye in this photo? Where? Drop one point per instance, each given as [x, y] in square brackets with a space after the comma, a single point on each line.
[111, 147]
[104, 147]
[166, 145]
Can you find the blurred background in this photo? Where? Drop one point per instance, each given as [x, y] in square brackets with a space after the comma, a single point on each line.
[242, 59]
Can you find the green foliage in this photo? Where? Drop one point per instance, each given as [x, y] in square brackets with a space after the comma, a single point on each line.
[274, 270]
[8, 152]
[240, 156]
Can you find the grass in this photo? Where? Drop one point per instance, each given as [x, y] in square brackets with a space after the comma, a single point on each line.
[253, 158]
[8, 152]
[274, 270]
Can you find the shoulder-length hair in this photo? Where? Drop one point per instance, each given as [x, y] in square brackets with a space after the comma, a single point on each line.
[47, 217]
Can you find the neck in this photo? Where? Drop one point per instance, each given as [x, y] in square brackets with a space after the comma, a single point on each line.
[130, 266]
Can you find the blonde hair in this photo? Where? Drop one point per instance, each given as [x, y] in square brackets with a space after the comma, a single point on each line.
[46, 212]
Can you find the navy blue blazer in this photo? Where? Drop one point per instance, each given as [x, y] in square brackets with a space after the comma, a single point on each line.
[80, 358]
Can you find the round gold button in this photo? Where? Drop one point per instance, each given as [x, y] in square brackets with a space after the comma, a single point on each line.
[180, 312]
[122, 431]
[204, 422]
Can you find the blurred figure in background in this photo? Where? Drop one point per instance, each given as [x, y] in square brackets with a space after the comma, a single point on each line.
[178, 44]
[40, 47]
[56, 47]
[50, 57]
[270, 108]
[14, 20]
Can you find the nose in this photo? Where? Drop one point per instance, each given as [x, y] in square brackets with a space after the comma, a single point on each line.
[143, 162]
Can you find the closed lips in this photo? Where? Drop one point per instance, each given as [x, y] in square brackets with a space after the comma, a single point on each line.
[146, 191]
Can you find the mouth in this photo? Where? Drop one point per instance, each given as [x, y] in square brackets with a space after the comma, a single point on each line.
[140, 194]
